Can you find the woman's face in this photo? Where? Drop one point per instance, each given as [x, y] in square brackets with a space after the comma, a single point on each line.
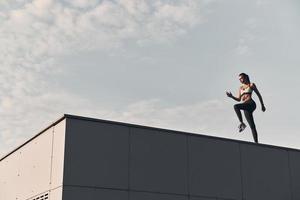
[242, 79]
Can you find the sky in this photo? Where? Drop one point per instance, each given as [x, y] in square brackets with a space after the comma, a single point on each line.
[161, 63]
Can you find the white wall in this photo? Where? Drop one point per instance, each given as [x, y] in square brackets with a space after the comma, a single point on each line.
[36, 167]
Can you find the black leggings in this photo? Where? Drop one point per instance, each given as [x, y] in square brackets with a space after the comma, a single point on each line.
[248, 108]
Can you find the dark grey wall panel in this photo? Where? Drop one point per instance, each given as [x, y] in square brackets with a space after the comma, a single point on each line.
[81, 193]
[295, 173]
[158, 161]
[78, 193]
[97, 154]
[202, 198]
[214, 168]
[155, 196]
[265, 173]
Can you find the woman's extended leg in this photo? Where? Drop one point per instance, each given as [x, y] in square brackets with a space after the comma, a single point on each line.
[249, 117]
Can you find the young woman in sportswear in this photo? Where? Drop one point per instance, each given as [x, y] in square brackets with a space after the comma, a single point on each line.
[248, 105]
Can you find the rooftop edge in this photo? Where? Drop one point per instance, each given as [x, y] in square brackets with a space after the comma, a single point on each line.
[65, 116]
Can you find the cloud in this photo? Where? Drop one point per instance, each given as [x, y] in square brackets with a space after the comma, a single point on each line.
[247, 37]
[39, 30]
[203, 117]
[82, 3]
[262, 2]
[45, 28]
[197, 117]
[208, 117]
[35, 33]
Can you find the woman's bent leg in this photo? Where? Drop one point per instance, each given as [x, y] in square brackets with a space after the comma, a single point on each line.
[237, 109]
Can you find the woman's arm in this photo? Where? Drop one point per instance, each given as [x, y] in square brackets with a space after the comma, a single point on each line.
[253, 86]
[229, 94]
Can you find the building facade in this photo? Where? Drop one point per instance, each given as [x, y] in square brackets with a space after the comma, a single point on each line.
[78, 158]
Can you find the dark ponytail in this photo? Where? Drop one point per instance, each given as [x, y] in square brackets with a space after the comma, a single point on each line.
[245, 76]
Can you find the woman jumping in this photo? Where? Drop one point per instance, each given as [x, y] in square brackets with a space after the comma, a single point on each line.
[248, 104]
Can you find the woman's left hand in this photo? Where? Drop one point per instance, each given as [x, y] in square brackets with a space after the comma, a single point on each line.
[229, 94]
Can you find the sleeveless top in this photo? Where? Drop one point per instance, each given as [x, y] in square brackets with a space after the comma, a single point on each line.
[247, 90]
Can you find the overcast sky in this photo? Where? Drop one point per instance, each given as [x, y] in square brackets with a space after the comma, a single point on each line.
[162, 63]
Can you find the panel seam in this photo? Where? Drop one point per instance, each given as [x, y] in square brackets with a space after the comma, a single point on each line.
[188, 166]
[290, 175]
[241, 171]
[129, 161]
[51, 165]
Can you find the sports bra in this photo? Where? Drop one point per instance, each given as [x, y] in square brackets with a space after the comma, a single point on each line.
[247, 90]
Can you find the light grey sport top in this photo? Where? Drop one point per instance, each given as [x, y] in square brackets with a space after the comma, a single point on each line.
[247, 90]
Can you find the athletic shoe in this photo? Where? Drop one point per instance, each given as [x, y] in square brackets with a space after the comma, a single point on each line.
[241, 127]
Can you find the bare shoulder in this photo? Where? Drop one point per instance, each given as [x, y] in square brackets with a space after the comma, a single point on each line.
[252, 85]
